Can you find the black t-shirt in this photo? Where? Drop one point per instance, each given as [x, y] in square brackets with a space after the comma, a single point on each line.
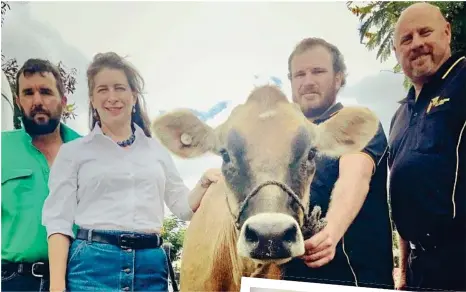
[427, 157]
[368, 240]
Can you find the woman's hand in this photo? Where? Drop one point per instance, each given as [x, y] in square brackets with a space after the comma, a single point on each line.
[210, 176]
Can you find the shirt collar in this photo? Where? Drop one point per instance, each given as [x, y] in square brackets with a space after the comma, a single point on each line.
[332, 110]
[66, 133]
[450, 65]
[97, 131]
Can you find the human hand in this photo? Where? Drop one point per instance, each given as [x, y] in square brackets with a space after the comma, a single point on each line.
[319, 249]
[210, 176]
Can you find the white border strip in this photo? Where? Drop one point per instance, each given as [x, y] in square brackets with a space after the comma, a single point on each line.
[292, 286]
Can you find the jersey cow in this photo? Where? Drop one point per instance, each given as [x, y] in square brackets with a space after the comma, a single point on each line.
[257, 217]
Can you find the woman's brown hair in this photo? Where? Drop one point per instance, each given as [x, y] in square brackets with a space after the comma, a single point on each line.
[112, 60]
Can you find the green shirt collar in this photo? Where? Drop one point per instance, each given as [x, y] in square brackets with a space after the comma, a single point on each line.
[67, 134]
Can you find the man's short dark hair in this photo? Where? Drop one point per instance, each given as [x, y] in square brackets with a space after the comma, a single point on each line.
[339, 65]
[33, 66]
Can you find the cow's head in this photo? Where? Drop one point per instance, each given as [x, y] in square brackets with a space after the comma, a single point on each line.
[267, 139]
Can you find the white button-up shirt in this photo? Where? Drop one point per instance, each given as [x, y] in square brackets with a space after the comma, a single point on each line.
[96, 184]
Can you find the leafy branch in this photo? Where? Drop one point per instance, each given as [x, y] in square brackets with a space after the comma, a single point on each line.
[378, 19]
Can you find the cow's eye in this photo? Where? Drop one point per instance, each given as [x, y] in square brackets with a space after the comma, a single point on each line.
[225, 156]
[312, 154]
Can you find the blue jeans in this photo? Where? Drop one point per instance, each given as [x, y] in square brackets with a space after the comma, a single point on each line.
[94, 266]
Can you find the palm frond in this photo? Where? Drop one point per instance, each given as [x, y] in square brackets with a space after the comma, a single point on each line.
[385, 48]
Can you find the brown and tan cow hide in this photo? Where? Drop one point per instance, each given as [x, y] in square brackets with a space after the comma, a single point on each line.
[281, 144]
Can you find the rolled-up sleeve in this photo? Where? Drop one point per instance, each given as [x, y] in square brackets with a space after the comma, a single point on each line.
[61, 203]
[176, 192]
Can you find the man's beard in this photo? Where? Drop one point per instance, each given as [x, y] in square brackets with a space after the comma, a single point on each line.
[327, 102]
[35, 129]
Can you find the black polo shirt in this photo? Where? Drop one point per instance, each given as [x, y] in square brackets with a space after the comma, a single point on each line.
[368, 240]
[427, 156]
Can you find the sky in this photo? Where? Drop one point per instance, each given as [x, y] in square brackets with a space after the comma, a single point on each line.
[206, 56]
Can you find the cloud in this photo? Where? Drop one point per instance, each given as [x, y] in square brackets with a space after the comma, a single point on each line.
[380, 92]
[206, 56]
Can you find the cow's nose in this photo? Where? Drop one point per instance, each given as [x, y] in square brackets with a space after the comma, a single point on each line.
[271, 236]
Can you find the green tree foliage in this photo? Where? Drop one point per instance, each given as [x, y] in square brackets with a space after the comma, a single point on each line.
[378, 20]
[10, 67]
[173, 232]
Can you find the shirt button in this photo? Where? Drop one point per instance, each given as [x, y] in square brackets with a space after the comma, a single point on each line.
[415, 114]
[129, 250]
[126, 289]
[127, 271]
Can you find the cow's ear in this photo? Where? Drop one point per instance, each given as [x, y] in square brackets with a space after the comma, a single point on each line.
[184, 134]
[348, 131]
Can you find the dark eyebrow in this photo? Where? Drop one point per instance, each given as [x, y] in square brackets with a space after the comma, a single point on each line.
[46, 89]
[27, 90]
[406, 36]
[425, 28]
[297, 72]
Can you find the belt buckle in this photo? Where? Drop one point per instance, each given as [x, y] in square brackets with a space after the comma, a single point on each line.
[128, 240]
[33, 267]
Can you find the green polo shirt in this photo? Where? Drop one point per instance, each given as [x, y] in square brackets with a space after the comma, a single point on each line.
[25, 174]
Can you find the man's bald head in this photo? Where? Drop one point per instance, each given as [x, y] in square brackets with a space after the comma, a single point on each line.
[421, 41]
[422, 10]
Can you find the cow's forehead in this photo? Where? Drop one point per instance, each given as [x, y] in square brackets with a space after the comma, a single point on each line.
[267, 123]
[263, 130]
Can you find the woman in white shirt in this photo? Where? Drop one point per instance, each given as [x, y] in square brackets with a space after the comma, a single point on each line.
[111, 185]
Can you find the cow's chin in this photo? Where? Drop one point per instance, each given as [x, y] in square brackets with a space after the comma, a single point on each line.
[275, 261]
[270, 237]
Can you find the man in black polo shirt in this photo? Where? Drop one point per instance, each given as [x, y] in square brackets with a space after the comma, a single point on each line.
[355, 248]
[427, 154]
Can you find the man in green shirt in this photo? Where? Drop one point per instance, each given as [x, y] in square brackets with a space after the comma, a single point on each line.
[27, 155]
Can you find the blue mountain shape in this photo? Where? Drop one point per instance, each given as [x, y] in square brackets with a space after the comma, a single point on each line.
[271, 79]
[222, 105]
[210, 113]
[277, 81]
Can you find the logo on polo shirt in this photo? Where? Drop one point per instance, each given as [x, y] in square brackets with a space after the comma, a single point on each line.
[436, 101]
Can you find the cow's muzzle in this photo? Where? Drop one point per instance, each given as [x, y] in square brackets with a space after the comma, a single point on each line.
[269, 237]
[256, 190]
